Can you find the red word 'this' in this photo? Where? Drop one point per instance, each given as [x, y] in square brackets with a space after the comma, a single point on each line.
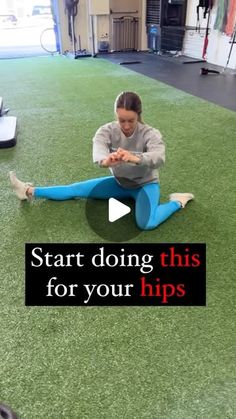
[174, 259]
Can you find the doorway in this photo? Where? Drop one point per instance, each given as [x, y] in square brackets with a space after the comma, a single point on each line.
[27, 28]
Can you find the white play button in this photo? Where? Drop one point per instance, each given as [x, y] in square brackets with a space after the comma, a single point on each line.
[116, 210]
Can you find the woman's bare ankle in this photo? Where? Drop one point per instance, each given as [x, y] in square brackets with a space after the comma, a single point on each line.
[30, 192]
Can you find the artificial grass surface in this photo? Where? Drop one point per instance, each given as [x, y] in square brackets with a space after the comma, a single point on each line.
[78, 363]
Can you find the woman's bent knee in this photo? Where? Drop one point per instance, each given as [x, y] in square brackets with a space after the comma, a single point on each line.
[146, 225]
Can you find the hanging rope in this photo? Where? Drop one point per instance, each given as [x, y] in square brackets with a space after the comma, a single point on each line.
[71, 8]
[207, 6]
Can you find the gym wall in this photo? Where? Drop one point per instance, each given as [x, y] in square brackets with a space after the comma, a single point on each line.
[102, 22]
[218, 43]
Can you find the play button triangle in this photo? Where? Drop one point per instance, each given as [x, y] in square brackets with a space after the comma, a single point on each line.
[116, 210]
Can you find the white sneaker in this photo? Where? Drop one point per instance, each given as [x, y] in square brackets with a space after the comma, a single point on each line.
[183, 198]
[19, 187]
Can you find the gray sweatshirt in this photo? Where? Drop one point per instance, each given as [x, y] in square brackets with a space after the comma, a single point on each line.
[146, 142]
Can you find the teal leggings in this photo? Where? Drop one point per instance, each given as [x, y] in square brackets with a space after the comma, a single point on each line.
[148, 212]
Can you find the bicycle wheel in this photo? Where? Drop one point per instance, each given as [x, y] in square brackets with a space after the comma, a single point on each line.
[48, 40]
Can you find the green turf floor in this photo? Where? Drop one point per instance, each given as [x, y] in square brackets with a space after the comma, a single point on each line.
[133, 362]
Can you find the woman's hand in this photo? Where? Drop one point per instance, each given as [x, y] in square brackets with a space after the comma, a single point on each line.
[119, 156]
[126, 156]
[112, 160]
